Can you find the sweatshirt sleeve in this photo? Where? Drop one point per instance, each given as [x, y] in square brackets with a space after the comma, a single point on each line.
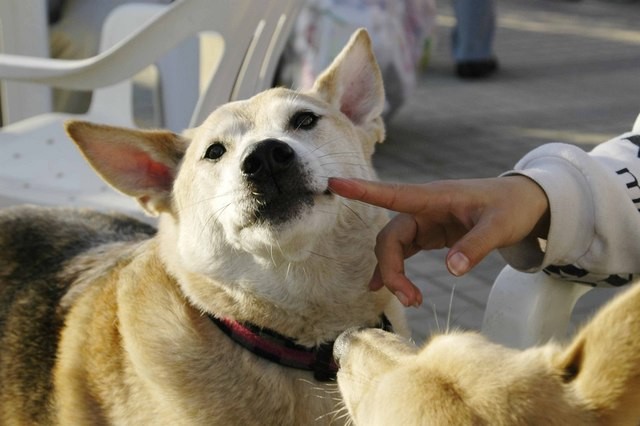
[594, 200]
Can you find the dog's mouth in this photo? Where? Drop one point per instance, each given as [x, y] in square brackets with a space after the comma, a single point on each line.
[279, 188]
[282, 200]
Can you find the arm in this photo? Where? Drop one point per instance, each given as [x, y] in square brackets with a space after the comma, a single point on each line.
[472, 217]
[594, 200]
[594, 226]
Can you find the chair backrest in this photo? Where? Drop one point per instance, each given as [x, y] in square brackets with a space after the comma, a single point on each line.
[253, 65]
[249, 59]
[253, 34]
[115, 103]
[246, 26]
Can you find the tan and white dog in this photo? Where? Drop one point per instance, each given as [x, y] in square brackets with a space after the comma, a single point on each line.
[227, 314]
[463, 379]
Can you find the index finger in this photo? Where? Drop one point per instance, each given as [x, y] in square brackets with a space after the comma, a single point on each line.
[398, 197]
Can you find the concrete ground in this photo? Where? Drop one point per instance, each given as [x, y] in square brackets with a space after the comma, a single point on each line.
[570, 72]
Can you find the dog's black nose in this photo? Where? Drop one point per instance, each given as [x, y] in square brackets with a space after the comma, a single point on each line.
[267, 158]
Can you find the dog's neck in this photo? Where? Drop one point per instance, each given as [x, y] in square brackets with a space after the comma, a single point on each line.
[308, 326]
[312, 307]
[284, 350]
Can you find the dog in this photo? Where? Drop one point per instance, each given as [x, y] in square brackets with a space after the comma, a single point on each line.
[226, 314]
[461, 378]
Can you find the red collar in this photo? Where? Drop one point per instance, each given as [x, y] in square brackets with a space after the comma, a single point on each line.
[283, 350]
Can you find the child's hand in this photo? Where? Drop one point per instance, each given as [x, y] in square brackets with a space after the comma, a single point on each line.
[472, 217]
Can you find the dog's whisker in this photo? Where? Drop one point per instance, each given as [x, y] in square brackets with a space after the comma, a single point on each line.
[273, 260]
[286, 275]
[324, 256]
[328, 213]
[327, 143]
[361, 203]
[279, 248]
[435, 316]
[205, 200]
[340, 154]
[453, 290]
[344, 413]
[332, 415]
[454, 320]
[342, 163]
[323, 416]
[355, 213]
[365, 224]
[293, 96]
[215, 216]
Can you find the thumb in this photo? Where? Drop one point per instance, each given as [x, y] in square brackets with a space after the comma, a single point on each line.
[469, 250]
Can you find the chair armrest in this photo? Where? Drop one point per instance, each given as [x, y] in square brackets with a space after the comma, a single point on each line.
[55, 72]
[179, 21]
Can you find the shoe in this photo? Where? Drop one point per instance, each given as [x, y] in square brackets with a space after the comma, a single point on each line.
[477, 68]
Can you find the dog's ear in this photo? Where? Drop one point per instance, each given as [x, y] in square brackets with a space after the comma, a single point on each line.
[353, 82]
[602, 364]
[139, 163]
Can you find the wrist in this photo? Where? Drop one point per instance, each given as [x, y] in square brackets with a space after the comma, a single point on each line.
[536, 201]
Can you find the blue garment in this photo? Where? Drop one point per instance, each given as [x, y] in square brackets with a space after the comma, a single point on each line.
[472, 37]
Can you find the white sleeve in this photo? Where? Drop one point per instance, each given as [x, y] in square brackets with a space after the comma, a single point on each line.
[594, 200]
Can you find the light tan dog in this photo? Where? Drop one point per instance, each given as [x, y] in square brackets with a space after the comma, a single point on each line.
[227, 315]
[463, 379]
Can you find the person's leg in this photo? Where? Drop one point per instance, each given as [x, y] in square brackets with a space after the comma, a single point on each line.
[472, 37]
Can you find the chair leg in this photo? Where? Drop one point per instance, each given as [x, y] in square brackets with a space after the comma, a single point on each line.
[528, 309]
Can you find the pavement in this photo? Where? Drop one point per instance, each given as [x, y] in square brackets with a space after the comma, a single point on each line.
[569, 72]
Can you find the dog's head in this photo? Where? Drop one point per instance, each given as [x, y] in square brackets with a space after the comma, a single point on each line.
[262, 164]
[244, 198]
[463, 379]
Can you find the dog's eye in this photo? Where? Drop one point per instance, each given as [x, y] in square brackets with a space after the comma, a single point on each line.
[304, 120]
[215, 151]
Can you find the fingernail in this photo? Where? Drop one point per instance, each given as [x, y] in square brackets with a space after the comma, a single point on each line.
[458, 264]
[402, 298]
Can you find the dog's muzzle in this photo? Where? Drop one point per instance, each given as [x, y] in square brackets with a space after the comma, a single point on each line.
[277, 181]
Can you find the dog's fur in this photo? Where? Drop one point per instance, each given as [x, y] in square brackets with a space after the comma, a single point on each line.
[463, 379]
[104, 322]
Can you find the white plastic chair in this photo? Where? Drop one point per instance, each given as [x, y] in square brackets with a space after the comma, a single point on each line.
[38, 164]
[23, 31]
[524, 309]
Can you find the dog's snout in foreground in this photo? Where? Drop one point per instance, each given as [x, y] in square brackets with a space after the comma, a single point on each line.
[341, 346]
[267, 159]
[462, 378]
